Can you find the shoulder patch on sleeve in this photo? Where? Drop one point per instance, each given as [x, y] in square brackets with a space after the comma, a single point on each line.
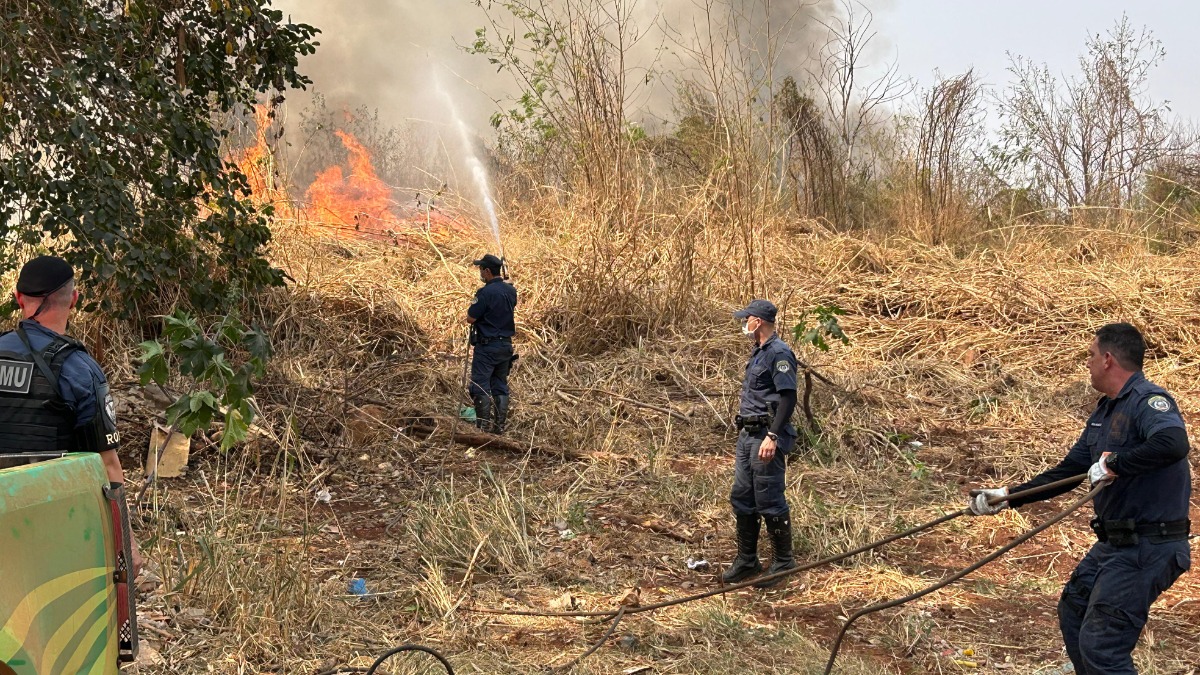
[783, 366]
[1159, 403]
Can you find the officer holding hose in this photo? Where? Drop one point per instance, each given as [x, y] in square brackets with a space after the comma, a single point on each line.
[1136, 440]
[492, 329]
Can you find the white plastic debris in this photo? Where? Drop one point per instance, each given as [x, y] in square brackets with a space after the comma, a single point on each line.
[324, 496]
[694, 564]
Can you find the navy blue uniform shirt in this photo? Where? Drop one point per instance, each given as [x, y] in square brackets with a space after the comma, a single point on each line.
[770, 370]
[493, 309]
[1121, 424]
[81, 379]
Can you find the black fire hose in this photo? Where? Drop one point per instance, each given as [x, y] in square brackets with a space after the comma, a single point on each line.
[466, 382]
[618, 614]
[389, 654]
[604, 615]
[966, 570]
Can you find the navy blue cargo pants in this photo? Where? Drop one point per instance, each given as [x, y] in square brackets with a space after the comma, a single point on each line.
[758, 486]
[489, 369]
[1104, 605]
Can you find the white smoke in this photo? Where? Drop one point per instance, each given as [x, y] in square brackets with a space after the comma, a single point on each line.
[381, 53]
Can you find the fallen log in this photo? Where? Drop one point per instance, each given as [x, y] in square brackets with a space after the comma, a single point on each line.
[633, 402]
[482, 440]
[457, 431]
[655, 525]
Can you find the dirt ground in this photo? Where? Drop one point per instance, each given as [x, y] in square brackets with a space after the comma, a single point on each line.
[1000, 619]
[617, 471]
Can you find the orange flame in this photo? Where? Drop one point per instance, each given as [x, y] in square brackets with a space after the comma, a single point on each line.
[257, 162]
[357, 204]
[360, 201]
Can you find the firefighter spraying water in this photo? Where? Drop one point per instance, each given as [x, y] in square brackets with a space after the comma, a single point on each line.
[491, 316]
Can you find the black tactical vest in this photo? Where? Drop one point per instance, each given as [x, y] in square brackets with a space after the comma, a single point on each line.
[33, 414]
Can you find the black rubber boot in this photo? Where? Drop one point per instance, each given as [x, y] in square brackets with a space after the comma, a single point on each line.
[746, 564]
[779, 529]
[483, 413]
[501, 412]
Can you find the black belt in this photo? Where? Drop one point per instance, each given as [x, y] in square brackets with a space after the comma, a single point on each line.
[1129, 532]
[486, 340]
[752, 423]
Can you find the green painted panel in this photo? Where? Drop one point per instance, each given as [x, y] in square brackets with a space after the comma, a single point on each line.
[57, 599]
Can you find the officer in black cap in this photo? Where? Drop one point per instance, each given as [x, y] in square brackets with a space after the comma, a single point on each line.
[54, 398]
[492, 330]
[765, 436]
[1136, 441]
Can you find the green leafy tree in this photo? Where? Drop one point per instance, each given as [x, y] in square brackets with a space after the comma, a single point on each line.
[111, 141]
[824, 327]
[221, 361]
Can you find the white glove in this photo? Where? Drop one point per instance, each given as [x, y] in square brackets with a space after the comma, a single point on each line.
[978, 504]
[1099, 471]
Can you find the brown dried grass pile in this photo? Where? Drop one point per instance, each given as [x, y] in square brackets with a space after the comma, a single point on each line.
[965, 366]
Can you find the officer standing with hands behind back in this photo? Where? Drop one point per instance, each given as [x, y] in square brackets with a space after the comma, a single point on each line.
[1137, 443]
[492, 329]
[765, 436]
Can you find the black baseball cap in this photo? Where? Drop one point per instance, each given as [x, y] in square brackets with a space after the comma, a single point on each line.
[489, 261]
[43, 275]
[763, 309]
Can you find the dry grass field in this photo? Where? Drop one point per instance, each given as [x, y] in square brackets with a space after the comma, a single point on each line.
[965, 368]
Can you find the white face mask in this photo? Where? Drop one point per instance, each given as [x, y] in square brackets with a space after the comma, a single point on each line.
[746, 329]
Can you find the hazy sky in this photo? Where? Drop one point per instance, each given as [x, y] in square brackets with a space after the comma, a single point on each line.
[953, 35]
[384, 53]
